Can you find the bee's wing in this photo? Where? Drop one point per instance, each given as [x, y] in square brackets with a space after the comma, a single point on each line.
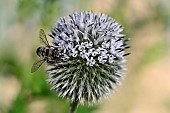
[37, 64]
[43, 37]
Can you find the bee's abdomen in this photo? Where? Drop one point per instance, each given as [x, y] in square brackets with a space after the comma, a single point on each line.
[51, 53]
[40, 51]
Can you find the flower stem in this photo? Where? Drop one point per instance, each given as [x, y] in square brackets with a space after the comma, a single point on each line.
[73, 107]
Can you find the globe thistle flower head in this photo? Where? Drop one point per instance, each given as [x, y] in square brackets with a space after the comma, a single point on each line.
[93, 56]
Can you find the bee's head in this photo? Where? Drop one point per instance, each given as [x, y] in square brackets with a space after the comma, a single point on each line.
[39, 51]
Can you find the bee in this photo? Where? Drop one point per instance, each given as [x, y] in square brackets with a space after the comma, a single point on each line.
[47, 53]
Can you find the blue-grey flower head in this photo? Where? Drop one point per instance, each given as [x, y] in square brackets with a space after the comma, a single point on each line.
[92, 50]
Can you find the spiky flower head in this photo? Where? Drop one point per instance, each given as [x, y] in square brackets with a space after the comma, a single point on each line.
[92, 52]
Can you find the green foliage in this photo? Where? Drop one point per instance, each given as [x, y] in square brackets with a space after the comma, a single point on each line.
[167, 103]
[153, 54]
[9, 64]
[27, 8]
[57, 105]
[19, 105]
[38, 86]
[47, 11]
[86, 109]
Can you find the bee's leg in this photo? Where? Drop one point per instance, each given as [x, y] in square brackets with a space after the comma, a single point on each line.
[58, 60]
[50, 62]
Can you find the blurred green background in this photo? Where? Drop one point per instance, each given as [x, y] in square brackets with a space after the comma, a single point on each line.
[146, 89]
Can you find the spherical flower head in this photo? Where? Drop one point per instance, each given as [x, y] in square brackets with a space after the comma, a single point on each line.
[93, 56]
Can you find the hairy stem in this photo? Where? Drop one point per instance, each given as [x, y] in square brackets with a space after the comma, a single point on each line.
[73, 107]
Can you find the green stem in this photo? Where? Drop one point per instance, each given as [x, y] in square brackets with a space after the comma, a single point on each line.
[73, 107]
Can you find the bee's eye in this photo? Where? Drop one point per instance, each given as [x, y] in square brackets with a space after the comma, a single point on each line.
[38, 51]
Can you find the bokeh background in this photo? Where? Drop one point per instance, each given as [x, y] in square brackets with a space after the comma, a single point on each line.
[146, 89]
